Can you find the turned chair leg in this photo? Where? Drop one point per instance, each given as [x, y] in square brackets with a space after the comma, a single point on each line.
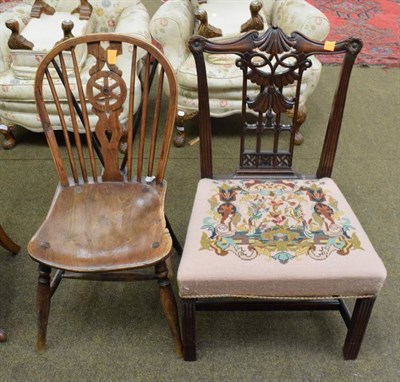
[43, 305]
[169, 307]
[179, 138]
[301, 117]
[189, 329]
[358, 325]
[180, 119]
[9, 139]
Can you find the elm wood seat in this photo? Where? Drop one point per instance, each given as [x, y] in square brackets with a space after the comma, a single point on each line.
[14, 248]
[106, 221]
[267, 237]
[94, 213]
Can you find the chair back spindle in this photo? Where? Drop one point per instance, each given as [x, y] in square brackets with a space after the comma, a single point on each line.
[100, 140]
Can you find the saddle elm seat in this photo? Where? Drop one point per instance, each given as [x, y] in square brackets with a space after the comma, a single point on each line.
[85, 229]
[309, 254]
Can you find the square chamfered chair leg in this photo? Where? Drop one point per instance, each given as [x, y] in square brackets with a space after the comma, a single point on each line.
[358, 325]
[189, 329]
[43, 305]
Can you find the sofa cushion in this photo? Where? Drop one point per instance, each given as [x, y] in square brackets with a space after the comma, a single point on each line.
[44, 33]
[229, 17]
[284, 238]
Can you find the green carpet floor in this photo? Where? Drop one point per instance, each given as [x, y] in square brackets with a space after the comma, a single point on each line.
[116, 331]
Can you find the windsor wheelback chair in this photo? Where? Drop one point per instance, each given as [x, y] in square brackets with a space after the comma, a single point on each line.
[266, 237]
[106, 221]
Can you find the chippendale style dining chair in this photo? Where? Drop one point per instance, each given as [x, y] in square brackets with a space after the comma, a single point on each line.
[106, 221]
[266, 237]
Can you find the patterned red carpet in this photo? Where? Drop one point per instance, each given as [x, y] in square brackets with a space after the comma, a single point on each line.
[376, 22]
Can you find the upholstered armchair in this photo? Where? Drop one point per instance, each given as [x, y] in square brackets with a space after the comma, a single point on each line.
[30, 29]
[177, 20]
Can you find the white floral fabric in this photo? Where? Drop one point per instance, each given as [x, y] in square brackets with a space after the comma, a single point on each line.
[173, 25]
[17, 103]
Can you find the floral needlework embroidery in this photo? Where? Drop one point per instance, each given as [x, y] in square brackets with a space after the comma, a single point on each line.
[280, 220]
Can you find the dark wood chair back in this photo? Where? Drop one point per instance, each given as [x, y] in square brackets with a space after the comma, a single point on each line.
[100, 120]
[241, 239]
[271, 61]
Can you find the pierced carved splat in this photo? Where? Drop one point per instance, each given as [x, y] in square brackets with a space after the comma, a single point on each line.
[102, 56]
[273, 65]
[107, 92]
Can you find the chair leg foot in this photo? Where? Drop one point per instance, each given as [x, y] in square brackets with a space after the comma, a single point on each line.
[170, 309]
[43, 305]
[298, 138]
[189, 329]
[358, 325]
[3, 336]
[301, 117]
[7, 243]
[179, 137]
[180, 119]
[9, 138]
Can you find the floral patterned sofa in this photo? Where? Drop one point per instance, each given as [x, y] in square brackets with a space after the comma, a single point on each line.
[18, 66]
[175, 22]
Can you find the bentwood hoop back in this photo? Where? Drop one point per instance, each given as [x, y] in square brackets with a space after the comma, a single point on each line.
[107, 215]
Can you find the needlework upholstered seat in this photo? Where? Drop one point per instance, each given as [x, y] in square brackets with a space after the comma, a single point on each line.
[267, 237]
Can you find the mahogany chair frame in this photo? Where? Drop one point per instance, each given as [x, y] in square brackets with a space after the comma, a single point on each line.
[275, 164]
[78, 168]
